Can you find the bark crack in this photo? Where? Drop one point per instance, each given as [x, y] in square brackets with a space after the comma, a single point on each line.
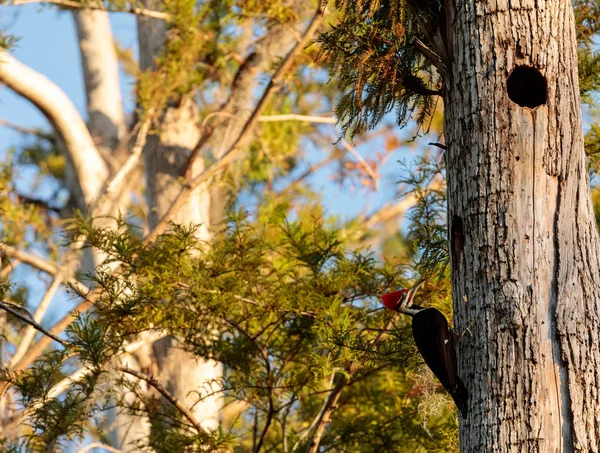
[557, 347]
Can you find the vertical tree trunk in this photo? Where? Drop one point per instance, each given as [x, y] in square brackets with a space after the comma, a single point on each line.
[101, 78]
[524, 241]
[165, 155]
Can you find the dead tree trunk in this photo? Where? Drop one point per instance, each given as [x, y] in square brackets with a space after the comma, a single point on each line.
[524, 241]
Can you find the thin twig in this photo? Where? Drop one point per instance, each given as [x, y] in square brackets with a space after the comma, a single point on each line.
[92, 6]
[31, 322]
[39, 313]
[99, 445]
[296, 117]
[115, 184]
[165, 393]
[26, 130]
[372, 174]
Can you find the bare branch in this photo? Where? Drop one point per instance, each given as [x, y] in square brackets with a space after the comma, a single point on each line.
[439, 145]
[115, 185]
[41, 264]
[317, 427]
[164, 392]
[99, 445]
[363, 163]
[26, 258]
[432, 57]
[90, 168]
[325, 414]
[389, 210]
[296, 117]
[41, 309]
[230, 155]
[27, 130]
[97, 7]
[31, 322]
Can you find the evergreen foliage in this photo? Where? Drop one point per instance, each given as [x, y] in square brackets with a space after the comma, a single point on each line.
[286, 306]
[376, 62]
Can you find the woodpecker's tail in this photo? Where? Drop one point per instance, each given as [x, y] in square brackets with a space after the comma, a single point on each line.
[460, 397]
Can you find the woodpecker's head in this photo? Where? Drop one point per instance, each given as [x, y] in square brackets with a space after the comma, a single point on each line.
[401, 300]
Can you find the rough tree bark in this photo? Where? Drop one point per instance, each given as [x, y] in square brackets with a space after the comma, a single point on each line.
[524, 240]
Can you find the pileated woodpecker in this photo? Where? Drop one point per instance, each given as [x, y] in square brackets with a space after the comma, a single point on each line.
[434, 340]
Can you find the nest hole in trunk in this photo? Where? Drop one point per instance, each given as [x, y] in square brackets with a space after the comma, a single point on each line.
[527, 87]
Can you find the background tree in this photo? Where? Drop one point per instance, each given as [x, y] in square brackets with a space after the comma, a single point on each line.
[258, 330]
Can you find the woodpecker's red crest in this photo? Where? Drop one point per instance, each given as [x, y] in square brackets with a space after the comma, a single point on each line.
[400, 298]
[392, 300]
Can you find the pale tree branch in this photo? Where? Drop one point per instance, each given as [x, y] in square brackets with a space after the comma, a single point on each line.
[165, 393]
[363, 163]
[42, 265]
[296, 117]
[120, 179]
[100, 65]
[26, 258]
[90, 169]
[391, 210]
[99, 445]
[97, 7]
[231, 154]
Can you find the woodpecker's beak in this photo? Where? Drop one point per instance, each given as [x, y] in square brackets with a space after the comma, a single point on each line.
[402, 298]
[412, 292]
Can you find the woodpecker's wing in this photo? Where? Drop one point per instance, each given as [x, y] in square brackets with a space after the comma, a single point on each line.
[435, 342]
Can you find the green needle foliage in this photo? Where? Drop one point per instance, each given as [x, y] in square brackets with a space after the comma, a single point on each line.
[377, 63]
[287, 307]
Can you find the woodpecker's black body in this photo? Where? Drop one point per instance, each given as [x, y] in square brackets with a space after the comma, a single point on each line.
[435, 342]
